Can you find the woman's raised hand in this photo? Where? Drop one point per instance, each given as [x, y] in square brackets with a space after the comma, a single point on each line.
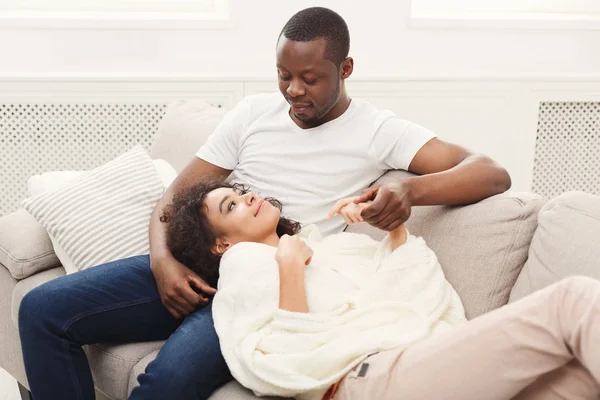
[349, 209]
[292, 251]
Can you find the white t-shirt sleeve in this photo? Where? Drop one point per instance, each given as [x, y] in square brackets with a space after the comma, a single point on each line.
[397, 141]
[223, 144]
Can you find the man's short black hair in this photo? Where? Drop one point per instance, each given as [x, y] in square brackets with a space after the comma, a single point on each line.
[320, 23]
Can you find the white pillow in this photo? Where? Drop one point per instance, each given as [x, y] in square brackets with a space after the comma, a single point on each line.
[49, 181]
[52, 180]
[101, 215]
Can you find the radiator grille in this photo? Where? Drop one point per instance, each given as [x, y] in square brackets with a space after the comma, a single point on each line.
[36, 138]
[567, 150]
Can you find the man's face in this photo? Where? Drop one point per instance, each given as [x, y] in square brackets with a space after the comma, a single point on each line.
[308, 81]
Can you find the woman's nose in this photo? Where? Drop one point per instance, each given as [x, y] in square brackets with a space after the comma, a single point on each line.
[249, 198]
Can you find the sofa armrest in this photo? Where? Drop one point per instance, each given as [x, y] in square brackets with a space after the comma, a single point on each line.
[25, 247]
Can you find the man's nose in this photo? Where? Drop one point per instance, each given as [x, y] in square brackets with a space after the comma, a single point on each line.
[296, 88]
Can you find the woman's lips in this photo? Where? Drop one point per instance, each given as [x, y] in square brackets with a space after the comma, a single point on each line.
[260, 204]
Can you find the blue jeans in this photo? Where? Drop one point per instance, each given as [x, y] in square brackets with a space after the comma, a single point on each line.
[115, 303]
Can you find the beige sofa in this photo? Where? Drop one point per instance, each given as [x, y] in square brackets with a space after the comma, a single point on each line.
[500, 249]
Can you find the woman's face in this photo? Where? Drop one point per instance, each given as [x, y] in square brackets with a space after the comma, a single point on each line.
[240, 217]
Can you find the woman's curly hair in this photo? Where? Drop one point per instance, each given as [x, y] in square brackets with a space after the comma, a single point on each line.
[190, 236]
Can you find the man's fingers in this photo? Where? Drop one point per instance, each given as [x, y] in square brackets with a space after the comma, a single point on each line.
[378, 220]
[185, 302]
[176, 310]
[393, 225]
[375, 208]
[202, 286]
[387, 223]
[188, 297]
[367, 195]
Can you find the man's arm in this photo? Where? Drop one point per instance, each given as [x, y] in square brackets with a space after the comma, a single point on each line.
[449, 175]
[452, 175]
[174, 280]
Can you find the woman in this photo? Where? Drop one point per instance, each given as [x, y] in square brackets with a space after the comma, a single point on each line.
[346, 317]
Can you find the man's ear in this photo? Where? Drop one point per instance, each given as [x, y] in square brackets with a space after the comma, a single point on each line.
[347, 67]
[220, 246]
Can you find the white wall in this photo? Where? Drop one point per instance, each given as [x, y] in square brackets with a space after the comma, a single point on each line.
[477, 87]
[382, 44]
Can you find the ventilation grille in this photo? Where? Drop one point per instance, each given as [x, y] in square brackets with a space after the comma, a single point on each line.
[35, 138]
[567, 149]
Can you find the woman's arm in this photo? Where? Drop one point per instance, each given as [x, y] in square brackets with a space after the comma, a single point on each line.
[292, 293]
[351, 212]
[398, 237]
[293, 255]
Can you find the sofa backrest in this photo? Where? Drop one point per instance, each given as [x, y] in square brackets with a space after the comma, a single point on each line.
[183, 129]
[566, 242]
[482, 247]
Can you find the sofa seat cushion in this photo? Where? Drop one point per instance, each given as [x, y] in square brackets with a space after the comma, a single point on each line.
[112, 365]
[565, 243]
[481, 247]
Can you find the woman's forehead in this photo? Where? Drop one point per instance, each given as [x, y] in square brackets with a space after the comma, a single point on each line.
[216, 196]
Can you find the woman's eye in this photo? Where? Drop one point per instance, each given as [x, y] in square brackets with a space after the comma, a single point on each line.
[310, 82]
[285, 78]
[230, 206]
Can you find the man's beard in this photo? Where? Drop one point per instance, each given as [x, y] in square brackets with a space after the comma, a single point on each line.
[325, 110]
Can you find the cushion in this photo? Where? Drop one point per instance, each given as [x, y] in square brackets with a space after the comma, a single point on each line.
[183, 130]
[53, 180]
[25, 247]
[103, 215]
[481, 247]
[565, 243]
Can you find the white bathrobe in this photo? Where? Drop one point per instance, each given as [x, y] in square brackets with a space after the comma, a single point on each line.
[362, 298]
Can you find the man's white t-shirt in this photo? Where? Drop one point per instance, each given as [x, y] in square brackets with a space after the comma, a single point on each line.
[308, 170]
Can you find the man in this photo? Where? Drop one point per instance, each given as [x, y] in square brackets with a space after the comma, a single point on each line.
[308, 148]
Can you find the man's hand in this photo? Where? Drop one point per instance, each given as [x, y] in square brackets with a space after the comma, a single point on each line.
[390, 207]
[181, 290]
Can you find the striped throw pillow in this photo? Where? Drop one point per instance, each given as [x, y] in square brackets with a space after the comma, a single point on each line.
[103, 215]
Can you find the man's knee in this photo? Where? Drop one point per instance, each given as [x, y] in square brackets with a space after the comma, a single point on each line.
[32, 308]
[39, 307]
